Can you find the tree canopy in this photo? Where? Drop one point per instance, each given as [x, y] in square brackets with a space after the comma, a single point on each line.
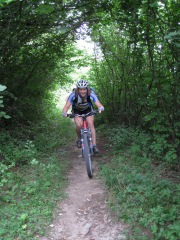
[137, 76]
[135, 72]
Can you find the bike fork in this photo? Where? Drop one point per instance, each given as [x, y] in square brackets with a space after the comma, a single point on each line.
[90, 143]
[88, 131]
[82, 142]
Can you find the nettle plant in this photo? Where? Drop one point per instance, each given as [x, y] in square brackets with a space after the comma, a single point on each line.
[2, 113]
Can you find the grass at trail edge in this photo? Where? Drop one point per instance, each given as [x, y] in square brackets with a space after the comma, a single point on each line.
[33, 176]
[141, 192]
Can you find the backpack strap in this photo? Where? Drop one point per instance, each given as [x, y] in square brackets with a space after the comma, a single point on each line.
[89, 93]
[76, 95]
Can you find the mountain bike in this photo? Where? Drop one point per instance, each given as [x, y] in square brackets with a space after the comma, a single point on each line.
[86, 141]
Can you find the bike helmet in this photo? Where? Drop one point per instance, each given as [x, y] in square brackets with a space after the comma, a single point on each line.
[82, 84]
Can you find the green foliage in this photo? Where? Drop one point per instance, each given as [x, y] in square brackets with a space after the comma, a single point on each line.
[144, 145]
[44, 9]
[136, 66]
[136, 62]
[2, 113]
[5, 2]
[144, 194]
[32, 175]
[36, 50]
[29, 197]
[16, 152]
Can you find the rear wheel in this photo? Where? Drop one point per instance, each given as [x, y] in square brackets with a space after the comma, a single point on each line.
[87, 156]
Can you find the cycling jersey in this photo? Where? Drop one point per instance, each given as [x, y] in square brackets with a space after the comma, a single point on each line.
[82, 104]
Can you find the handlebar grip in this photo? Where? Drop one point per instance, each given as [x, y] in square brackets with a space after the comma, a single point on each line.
[90, 114]
[70, 115]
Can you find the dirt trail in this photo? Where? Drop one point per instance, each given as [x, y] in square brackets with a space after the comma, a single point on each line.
[84, 214]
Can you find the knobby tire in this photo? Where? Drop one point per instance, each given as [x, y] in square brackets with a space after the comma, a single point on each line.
[87, 156]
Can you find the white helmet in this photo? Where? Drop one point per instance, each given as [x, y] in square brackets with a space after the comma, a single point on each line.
[82, 84]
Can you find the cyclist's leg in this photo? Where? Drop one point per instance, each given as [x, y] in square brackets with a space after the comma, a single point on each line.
[90, 123]
[79, 123]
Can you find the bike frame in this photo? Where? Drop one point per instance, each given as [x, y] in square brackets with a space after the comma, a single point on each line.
[86, 141]
[85, 129]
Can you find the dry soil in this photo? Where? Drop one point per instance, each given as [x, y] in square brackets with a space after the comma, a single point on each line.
[85, 214]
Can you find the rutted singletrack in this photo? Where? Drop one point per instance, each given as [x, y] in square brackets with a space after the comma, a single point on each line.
[84, 214]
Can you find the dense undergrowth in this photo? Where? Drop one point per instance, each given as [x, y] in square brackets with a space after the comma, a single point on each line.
[33, 166]
[33, 171]
[146, 192]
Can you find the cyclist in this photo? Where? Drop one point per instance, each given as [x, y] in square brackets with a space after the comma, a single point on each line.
[81, 100]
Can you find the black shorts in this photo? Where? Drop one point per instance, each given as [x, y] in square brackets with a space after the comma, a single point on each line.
[76, 111]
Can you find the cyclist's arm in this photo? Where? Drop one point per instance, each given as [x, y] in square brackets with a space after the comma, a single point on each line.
[69, 102]
[98, 104]
[95, 99]
[67, 106]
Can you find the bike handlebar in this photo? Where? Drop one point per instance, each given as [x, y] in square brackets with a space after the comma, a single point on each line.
[83, 115]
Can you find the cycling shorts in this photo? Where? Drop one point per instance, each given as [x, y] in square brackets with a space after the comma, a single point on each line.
[76, 111]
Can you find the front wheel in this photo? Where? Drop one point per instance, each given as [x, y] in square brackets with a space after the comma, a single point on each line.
[87, 156]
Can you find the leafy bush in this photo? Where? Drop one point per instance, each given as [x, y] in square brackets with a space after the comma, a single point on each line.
[143, 196]
[2, 113]
[14, 151]
[32, 175]
[144, 145]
